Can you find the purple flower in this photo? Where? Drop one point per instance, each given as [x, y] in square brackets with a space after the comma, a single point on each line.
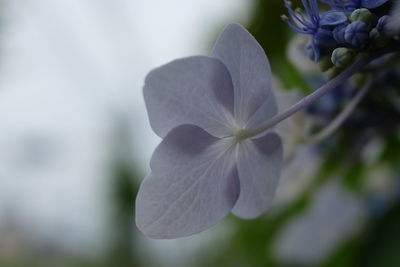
[319, 26]
[206, 165]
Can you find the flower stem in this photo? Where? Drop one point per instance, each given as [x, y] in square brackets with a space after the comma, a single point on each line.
[342, 115]
[311, 98]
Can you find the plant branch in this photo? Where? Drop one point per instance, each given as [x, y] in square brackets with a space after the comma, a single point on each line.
[346, 112]
[311, 98]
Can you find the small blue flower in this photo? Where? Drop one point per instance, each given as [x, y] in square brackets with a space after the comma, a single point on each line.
[357, 34]
[319, 26]
[350, 5]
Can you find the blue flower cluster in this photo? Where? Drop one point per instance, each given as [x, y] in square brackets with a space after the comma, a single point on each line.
[350, 25]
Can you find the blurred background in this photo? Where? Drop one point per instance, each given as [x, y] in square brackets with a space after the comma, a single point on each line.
[75, 143]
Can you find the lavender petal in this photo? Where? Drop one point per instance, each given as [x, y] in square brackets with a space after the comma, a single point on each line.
[192, 185]
[259, 165]
[195, 90]
[249, 69]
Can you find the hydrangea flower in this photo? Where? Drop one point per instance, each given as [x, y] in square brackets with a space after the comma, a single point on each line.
[207, 164]
[319, 26]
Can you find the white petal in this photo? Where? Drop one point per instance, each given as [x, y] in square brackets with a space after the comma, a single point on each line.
[259, 165]
[193, 184]
[249, 69]
[195, 90]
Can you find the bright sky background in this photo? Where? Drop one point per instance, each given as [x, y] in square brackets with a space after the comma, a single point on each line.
[67, 69]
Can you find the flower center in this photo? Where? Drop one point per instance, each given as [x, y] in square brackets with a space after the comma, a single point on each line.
[241, 135]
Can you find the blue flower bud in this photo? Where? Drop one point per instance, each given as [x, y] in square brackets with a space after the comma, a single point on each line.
[361, 14]
[338, 33]
[357, 34]
[342, 57]
[324, 37]
[384, 28]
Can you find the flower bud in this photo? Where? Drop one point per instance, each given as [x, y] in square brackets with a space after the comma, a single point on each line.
[377, 40]
[374, 34]
[324, 37]
[357, 34]
[361, 14]
[342, 57]
[325, 64]
[338, 33]
[333, 72]
[384, 27]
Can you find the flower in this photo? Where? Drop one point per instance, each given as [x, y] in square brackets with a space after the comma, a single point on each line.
[207, 164]
[319, 26]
